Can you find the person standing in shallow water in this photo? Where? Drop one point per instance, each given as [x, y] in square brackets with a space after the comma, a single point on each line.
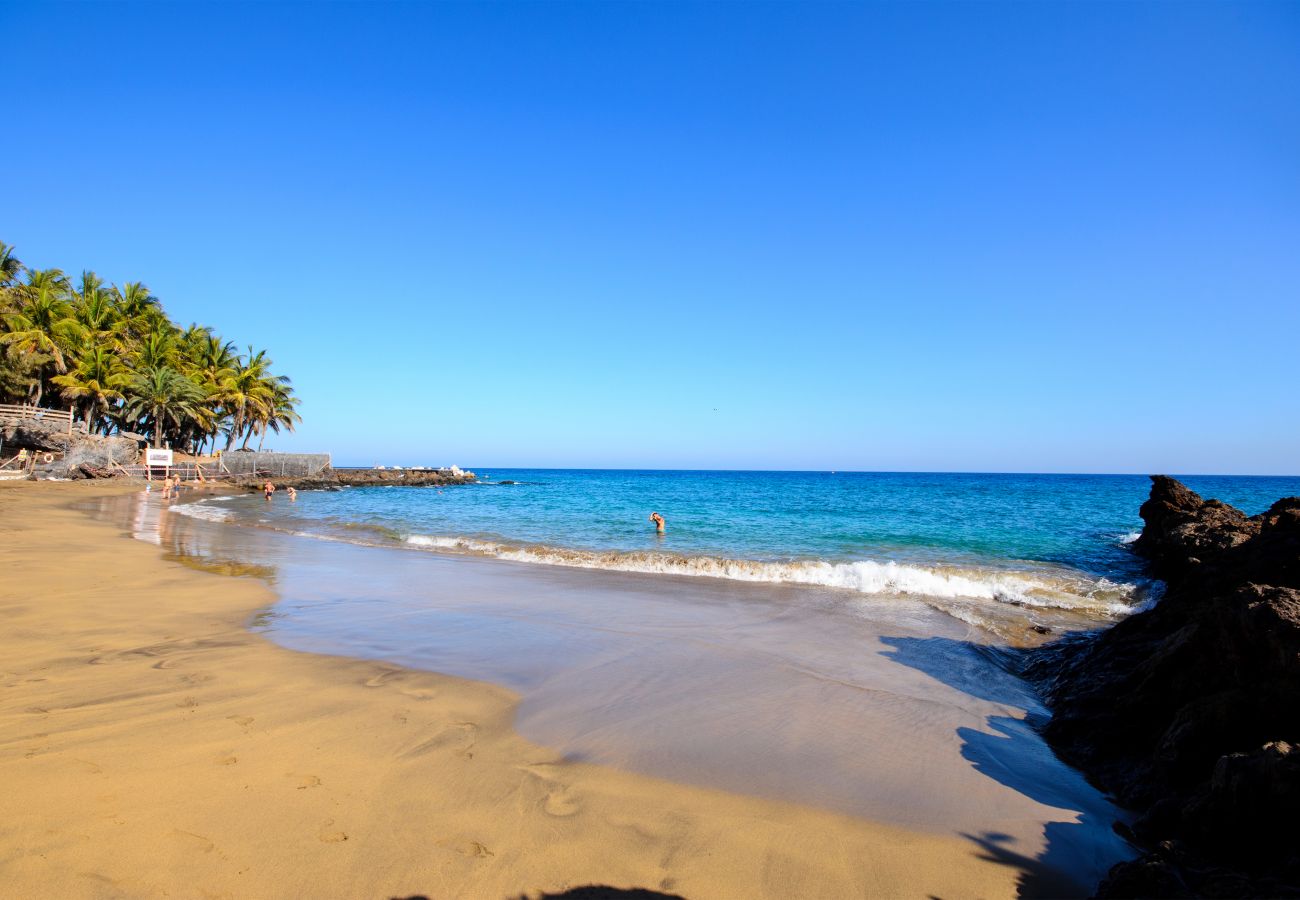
[658, 520]
[268, 489]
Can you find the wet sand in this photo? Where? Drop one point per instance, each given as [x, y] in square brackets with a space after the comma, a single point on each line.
[152, 744]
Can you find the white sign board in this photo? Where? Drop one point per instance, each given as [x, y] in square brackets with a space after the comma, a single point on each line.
[154, 457]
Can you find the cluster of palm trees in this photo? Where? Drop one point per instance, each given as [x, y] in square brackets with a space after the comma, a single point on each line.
[113, 355]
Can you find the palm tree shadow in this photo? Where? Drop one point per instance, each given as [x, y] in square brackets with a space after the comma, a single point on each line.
[1009, 750]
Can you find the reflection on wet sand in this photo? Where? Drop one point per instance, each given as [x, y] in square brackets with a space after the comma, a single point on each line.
[883, 708]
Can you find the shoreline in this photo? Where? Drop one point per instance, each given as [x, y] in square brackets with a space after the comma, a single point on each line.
[157, 743]
[1021, 601]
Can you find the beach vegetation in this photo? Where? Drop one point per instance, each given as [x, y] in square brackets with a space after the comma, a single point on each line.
[111, 353]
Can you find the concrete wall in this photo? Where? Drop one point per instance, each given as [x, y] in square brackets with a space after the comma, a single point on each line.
[300, 465]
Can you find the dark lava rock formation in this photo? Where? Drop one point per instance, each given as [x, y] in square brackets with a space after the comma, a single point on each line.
[1189, 713]
[75, 454]
[335, 479]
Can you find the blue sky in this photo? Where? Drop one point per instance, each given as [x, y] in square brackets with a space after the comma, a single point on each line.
[1026, 237]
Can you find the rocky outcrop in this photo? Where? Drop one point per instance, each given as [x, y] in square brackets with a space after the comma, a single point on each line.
[360, 477]
[1190, 712]
[333, 479]
[39, 434]
[96, 456]
[73, 453]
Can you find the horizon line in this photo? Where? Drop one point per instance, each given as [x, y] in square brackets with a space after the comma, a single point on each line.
[850, 471]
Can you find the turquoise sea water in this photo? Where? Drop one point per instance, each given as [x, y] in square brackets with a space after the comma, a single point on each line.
[812, 637]
[984, 546]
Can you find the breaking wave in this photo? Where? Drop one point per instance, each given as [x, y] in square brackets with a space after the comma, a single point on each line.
[1045, 589]
[1012, 600]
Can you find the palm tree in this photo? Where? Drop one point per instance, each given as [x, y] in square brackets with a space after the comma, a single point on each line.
[140, 310]
[10, 267]
[97, 378]
[94, 308]
[157, 348]
[280, 412]
[245, 392]
[41, 326]
[161, 395]
[116, 356]
[210, 362]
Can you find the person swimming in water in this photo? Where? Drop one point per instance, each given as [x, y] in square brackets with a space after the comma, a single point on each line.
[658, 520]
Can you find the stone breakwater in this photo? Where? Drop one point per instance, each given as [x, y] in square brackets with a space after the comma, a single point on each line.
[1189, 713]
[334, 479]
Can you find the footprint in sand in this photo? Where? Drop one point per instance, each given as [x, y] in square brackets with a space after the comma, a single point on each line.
[330, 835]
[395, 676]
[468, 849]
[460, 736]
[227, 760]
[560, 801]
[242, 721]
[382, 678]
[419, 695]
[307, 781]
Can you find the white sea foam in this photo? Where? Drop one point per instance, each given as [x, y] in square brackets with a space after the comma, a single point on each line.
[201, 510]
[1038, 589]
[1130, 537]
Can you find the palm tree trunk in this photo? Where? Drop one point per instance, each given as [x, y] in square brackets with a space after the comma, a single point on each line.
[235, 427]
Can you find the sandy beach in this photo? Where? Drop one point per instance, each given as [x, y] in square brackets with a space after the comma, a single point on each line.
[154, 746]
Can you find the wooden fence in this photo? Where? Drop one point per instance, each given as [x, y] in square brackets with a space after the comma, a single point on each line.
[62, 417]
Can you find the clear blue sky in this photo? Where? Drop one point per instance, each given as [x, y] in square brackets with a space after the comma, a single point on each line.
[1029, 237]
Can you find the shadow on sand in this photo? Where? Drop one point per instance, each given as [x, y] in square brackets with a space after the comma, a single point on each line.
[1009, 750]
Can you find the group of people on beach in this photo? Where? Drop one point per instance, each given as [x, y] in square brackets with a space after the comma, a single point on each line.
[171, 488]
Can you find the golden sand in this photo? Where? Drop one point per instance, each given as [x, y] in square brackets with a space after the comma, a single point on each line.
[151, 745]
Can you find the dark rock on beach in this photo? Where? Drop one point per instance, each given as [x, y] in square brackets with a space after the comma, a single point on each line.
[74, 453]
[40, 434]
[334, 479]
[1189, 713]
[96, 456]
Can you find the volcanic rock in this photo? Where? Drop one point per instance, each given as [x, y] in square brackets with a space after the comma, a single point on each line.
[1190, 712]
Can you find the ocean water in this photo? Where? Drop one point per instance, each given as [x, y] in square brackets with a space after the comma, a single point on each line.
[1017, 555]
[825, 639]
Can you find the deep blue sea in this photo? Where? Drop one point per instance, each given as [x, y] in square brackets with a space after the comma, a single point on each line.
[1044, 544]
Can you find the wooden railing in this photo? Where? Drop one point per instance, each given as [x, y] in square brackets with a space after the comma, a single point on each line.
[40, 413]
